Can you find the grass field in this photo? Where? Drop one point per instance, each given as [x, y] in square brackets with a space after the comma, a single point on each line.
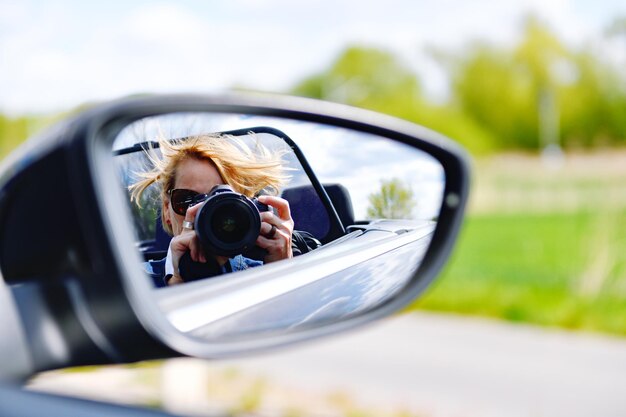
[542, 244]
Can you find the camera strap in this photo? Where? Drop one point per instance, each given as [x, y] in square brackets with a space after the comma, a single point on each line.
[303, 242]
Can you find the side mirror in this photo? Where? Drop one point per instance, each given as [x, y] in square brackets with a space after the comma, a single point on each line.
[384, 197]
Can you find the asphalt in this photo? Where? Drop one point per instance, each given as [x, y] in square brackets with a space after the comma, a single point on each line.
[417, 364]
[440, 365]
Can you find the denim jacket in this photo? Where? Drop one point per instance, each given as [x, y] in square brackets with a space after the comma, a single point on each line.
[156, 269]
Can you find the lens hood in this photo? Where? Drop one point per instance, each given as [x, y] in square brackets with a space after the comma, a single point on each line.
[228, 223]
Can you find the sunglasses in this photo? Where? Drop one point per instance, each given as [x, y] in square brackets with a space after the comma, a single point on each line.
[182, 199]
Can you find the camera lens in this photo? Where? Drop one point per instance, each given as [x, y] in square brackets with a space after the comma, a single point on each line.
[230, 223]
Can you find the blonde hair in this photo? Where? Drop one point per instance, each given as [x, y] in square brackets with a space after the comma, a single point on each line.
[245, 170]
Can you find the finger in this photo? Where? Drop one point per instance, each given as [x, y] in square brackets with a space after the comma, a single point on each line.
[180, 244]
[187, 225]
[195, 249]
[277, 249]
[187, 242]
[268, 230]
[264, 242]
[277, 244]
[190, 216]
[280, 204]
[281, 239]
[270, 218]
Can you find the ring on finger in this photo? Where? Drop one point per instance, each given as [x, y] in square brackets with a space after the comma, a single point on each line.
[272, 232]
[188, 225]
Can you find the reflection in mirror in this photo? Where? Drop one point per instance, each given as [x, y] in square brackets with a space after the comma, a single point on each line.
[316, 223]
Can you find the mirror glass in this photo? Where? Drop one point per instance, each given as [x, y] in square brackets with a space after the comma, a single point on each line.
[363, 209]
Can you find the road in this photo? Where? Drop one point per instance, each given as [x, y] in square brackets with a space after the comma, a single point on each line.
[438, 365]
[419, 364]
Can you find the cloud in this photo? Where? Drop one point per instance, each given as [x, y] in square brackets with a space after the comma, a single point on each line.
[58, 55]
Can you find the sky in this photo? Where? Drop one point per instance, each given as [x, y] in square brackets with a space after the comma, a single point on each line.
[329, 150]
[55, 55]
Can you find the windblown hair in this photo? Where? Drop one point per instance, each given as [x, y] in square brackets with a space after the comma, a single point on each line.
[245, 169]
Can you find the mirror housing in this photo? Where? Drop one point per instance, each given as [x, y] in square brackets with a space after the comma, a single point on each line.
[66, 250]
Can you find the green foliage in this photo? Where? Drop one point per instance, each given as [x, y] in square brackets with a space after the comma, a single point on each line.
[376, 80]
[537, 54]
[537, 92]
[368, 78]
[593, 110]
[537, 268]
[502, 90]
[457, 125]
[542, 244]
[394, 201]
[15, 130]
[496, 95]
[495, 92]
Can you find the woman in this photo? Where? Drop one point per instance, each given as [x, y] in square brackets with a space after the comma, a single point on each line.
[194, 166]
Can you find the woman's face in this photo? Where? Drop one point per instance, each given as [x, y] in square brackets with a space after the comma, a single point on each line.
[192, 174]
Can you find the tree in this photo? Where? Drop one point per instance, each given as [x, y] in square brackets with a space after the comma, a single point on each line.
[370, 78]
[393, 201]
[503, 89]
[377, 80]
[488, 87]
[540, 91]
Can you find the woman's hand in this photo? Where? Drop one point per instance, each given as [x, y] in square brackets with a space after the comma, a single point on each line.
[276, 229]
[186, 241]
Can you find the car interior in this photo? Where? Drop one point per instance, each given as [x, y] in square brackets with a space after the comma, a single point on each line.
[323, 210]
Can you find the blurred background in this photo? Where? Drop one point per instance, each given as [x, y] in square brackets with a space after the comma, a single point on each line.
[535, 91]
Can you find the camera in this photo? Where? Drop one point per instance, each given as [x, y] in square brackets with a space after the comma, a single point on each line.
[228, 223]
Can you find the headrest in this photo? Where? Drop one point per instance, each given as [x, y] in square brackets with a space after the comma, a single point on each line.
[309, 213]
